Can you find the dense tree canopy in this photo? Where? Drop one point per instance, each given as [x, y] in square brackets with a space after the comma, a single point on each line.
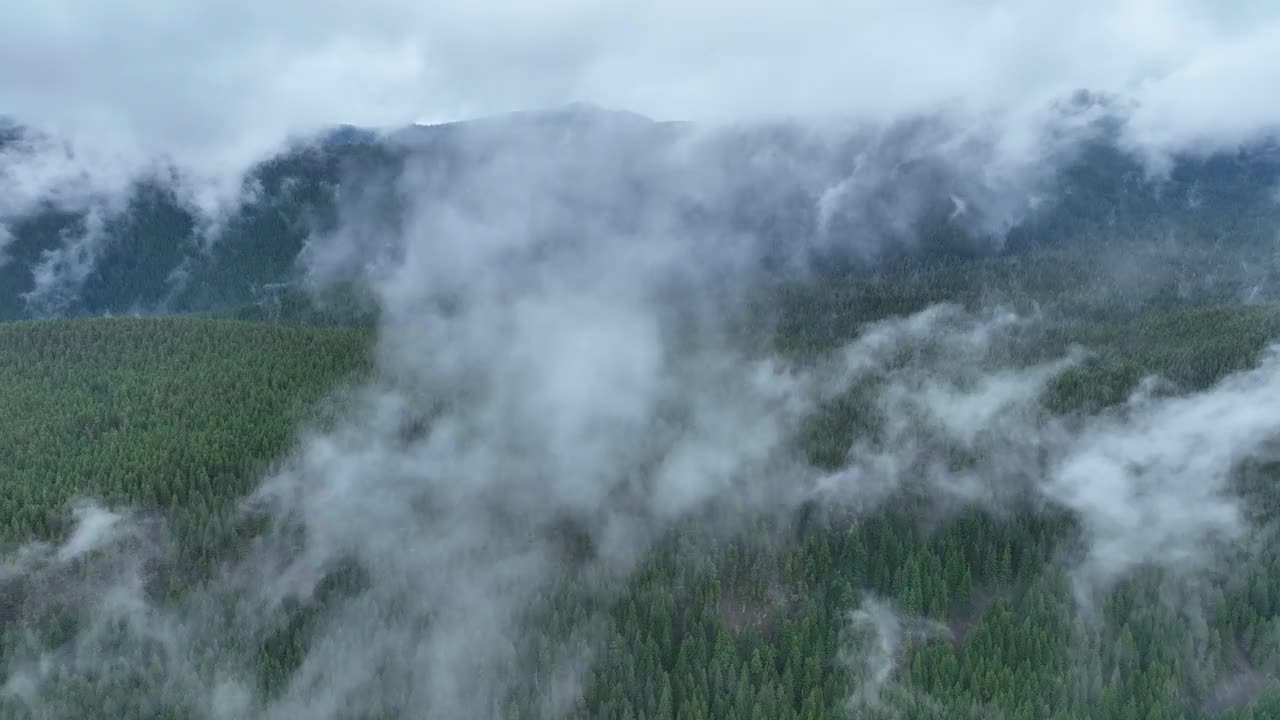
[180, 417]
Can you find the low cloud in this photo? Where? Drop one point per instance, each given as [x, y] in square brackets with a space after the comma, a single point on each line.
[449, 482]
[178, 88]
[878, 636]
[557, 354]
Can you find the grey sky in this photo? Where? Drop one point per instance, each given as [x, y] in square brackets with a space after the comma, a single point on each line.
[216, 81]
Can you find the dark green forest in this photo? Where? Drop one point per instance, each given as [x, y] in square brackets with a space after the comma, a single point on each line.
[180, 417]
[228, 344]
[1110, 234]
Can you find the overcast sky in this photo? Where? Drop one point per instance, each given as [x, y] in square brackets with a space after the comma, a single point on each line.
[219, 80]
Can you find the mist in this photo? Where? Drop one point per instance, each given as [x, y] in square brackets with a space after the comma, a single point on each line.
[560, 345]
[179, 95]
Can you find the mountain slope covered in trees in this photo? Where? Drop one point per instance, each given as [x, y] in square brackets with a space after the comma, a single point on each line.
[355, 459]
[823, 615]
[838, 200]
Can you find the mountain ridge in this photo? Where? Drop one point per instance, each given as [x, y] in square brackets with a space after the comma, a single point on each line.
[821, 201]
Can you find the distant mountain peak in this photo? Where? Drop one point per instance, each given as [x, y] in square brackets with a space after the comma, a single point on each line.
[573, 117]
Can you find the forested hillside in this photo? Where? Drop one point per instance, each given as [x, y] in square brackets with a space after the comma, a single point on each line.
[839, 201]
[826, 614]
[173, 415]
[531, 356]
[793, 360]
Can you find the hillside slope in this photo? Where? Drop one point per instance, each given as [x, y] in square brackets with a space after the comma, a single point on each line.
[839, 200]
[174, 419]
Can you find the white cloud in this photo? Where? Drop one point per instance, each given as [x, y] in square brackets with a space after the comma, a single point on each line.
[562, 370]
[218, 85]
[220, 81]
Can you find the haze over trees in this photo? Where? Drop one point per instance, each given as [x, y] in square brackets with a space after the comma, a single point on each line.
[577, 414]
[840, 201]
[178, 417]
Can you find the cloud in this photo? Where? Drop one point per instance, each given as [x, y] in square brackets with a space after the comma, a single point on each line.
[215, 83]
[559, 382]
[61, 271]
[551, 353]
[878, 637]
[552, 370]
[562, 405]
[38, 171]
[213, 87]
[6, 237]
[1154, 483]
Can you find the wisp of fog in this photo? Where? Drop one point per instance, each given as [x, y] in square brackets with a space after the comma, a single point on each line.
[559, 342]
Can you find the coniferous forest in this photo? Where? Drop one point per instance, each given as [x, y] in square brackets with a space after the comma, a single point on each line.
[574, 415]
[786, 618]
